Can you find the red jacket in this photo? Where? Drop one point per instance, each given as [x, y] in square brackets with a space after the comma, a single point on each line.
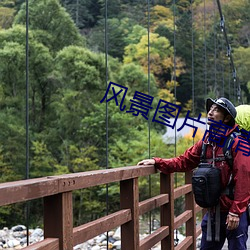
[241, 171]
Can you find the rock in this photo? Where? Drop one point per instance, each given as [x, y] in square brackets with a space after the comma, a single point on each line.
[117, 244]
[3, 233]
[95, 248]
[111, 239]
[13, 243]
[111, 233]
[38, 232]
[100, 238]
[117, 234]
[18, 228]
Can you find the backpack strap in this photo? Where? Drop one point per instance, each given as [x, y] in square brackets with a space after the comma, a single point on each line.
[217, 207]
[203, 152]
[227, 149]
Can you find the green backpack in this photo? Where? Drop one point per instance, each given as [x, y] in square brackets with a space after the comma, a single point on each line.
[243, 116]
[243, 120]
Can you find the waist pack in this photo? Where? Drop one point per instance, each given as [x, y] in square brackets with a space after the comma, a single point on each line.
[206, 181]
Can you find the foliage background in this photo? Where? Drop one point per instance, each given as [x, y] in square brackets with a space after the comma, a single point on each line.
[75, 49]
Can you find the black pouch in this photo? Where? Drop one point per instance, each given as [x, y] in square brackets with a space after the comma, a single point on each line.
[206, 183]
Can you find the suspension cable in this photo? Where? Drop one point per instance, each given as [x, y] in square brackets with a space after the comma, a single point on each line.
[205, 51]
[27, 207]
[229, 53]
[149, 142]
[174, 74]
[175, 95]
[192, 73]
[215, 52]
[106, 81]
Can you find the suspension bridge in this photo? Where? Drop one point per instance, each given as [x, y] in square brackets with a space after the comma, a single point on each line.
[56, 192]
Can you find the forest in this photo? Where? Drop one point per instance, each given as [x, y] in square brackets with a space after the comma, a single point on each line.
[55, 70]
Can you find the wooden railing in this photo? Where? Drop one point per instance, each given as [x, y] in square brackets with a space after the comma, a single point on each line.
[59, 232]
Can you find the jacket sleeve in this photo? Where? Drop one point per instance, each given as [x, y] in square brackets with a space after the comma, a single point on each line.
[241, 175]
[185, 162]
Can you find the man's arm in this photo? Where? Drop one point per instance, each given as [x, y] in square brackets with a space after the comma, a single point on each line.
[185, 162]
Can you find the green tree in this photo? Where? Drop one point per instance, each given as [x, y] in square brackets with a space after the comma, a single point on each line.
[117, 32]
[53, 25]
[84, 13]
[161, 57]
[241, 56]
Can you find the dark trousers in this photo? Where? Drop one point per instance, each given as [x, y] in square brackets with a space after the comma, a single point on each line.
[237, 238]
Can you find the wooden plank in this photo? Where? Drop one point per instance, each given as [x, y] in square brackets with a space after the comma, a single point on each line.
[129, 196]
[98, 177]
[190, 205]
[178, 192]
[167, 210]
[154, 238]
[24, 190]
[198, 231]
[90, 230]
[152, 203]
[198, 208]
[58, 219]
[46, 244]
[185, 244]
[182, 218]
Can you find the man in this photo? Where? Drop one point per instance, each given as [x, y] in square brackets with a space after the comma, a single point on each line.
[233, 212]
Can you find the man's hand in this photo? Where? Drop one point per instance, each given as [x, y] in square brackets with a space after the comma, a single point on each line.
[232, 221]
[146, 162]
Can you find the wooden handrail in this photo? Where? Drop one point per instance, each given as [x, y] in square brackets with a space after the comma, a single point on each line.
[58, 208]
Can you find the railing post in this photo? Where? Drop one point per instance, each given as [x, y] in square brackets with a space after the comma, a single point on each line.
[190, 205]
[167, 210]
[129, 198]
[58, 219]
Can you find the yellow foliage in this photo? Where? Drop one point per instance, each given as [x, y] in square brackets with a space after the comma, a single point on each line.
[198, 136]
[6, 17]
[161, 15]
[166, 95]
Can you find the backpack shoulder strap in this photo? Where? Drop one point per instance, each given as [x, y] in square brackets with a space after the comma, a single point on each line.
[227, 149]
[203, 152]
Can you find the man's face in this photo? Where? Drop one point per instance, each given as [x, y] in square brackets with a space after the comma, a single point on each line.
[215, 113]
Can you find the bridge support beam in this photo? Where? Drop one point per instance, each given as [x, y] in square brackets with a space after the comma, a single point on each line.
[190, 205]
[167, 210]
[58, 219]
[130, 199]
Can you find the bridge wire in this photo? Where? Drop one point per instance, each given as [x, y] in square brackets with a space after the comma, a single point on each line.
[175, 95]
[205, 49]
[174, 76]
[192, 73]
[222, 68]
[106, 79]
[27, 206]
[149, 134]
[215, 52]
[230, 56]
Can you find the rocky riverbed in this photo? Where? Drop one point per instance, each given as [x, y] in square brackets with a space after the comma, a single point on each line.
[16, 238]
